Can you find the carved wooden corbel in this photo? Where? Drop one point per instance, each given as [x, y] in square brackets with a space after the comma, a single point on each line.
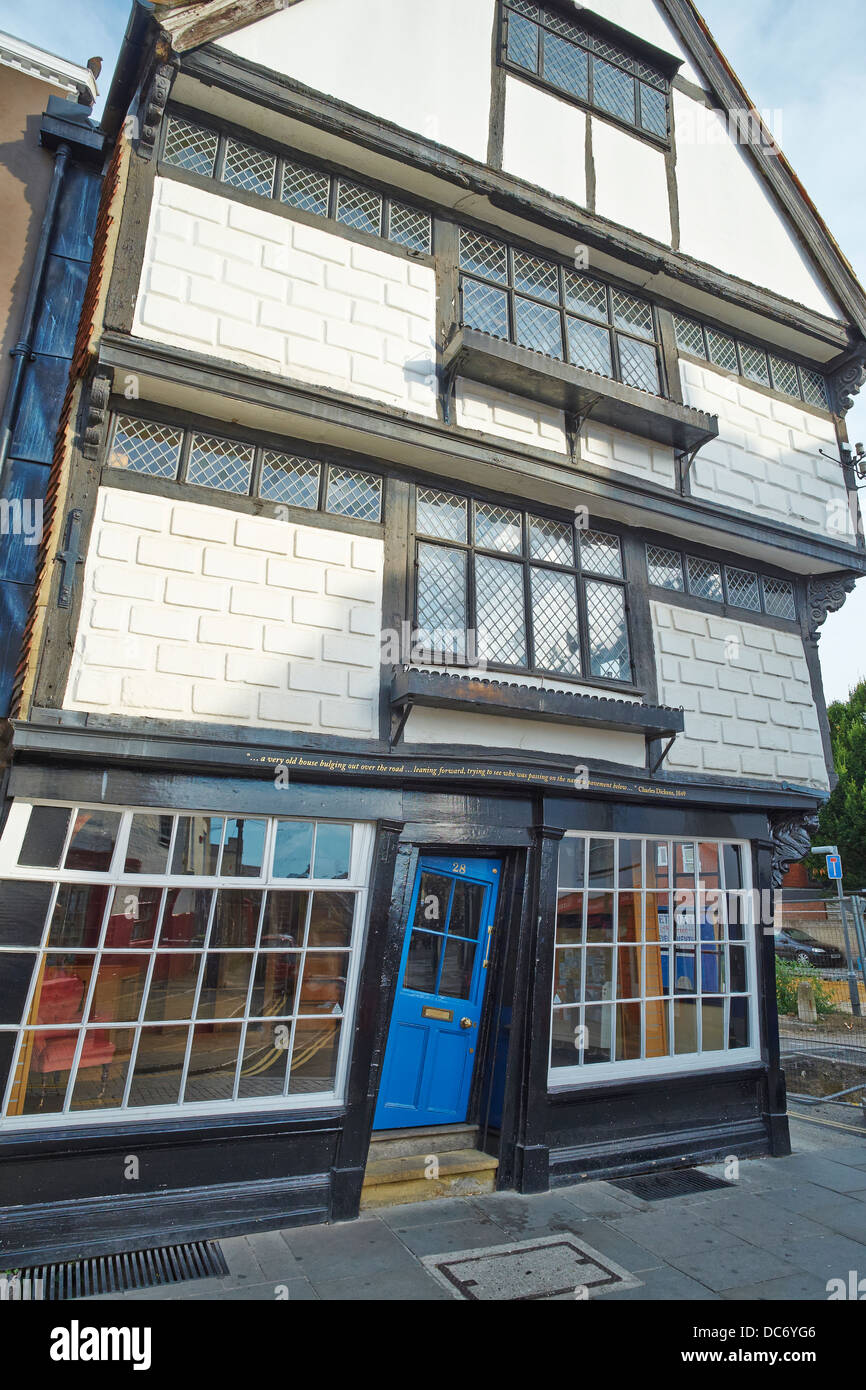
[826, 595]
[792, 833]
[97, 415]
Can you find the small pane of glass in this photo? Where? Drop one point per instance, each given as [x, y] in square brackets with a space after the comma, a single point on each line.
[102, 1068]
[633, 314]
[134, 917]
[306, 188]
[571, 861]
[589, 346]
[538, 327]
[148, 844]
[359, 207]
[434, 898]
[755, 364]
[236, 918]
[499, 605]
[466, 906]
[608, 631]
[224, 984]
[498, 528]
[653, 110]
[551, 541]
[172, 987]
[441, 514]
[323, 988]
[243, 848]
[585, 296]
[536, 277]
[455, 981]
[354, 494]
[555, 628]
[485, 308]
[185, 917]
[144, 446]
[779, 598]
[814, 387]
[249, 168]
[743, 589]
[220, 463]
[601, 854]
[92, 843]
[212, 1062]
[284, 920]
[333, 850]
[119, 988]
[723, 350]
[314, 1056]
[522, 42]
[331, 918]
[293, 848]
[690, 335]
[23, 908]
[44, 837]
[569, 918]
[613, 90]
[484, 256]
[705, 578]
[565, 66]
[288, 479]
[422, 961]
[265, 1055]
[275, 984]
[77, 917]
[442, 597]
[665, 568]
[158, 1066]
[409, 227]
[600, 553]
[189, 147]
[197, 845]
[639, 365]
[784, 375]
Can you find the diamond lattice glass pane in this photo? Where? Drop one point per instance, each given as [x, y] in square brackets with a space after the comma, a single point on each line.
[613, 90]
[653, 110]
[784, 376]
[220, 463]
[536, 277]
[608, 631]
[550, 540]
[779, 598]
[146, 447]
[665, 568]
[485, 308]
[555, 627]
[639, 364]
[567, 27]
[814, 388]
[650, 74]
[523, 42]
[441, 514]
[249, 168]
[189, 147]
[354, 494]
[743, 589]
[600, 553]
[614, 53]
[633, 314]
[526, 7]
[497, 528]
[499, 607]
[585, 296]
[306, 188]
[538, 327]
[723, 350]
[690, 336]
[705, 578]
[292, 480]
[359, 207]
[589, 346]
[409, 227]
[442, 596]
[565, 66]
[483, 255]
[755, 364]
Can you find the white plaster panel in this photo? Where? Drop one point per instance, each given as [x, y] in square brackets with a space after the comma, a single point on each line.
[499, 731]
[217, 617]
[528, 422]
[728, 217]
[766, 459]
[425, 67]
[749, 710]
[627, 453]
[630, 181]
[246, 285]
[645, 20]
[545, 141]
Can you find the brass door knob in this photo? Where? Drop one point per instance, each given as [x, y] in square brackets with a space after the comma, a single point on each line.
[466, 1023]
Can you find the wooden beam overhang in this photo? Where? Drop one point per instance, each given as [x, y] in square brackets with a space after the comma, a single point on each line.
[582, 393]
[218, 68]
[394, 436]
[441, 690]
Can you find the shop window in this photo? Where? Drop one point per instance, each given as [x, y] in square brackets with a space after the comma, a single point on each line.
[174, 960]
[653, 958]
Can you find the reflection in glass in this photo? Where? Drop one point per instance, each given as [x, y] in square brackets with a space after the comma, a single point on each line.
[147, 847]
[422, 961]
[45, 837]
[323, 990]
[100, 1079]
[658, 864]
[212, 1061]
[599, 917]
[599, 973]
[158, 1066]
[275, 983]
[569, 917]
[185, 917]
[628, 917]
[456, 979]
[333, 850]
[77, 916]
[224, 984]
[627, 1032]
[466, 907]
[565, 1038]
[293, 849]
[571, 860]
[566, 976]
[630, 863]
[120, 984]
[434, 898]
[92, 843]
[61, 990]
[685, 1025]
[331, 919]
[197, 845]
[598, 1020]
[601, 863]
[23, 907]
[172, 986]
[285, 919]
[266, 1053]
[712, 1025]
[236, 917]
[243, 848]
[133, 918]
[628, 972]
[314, 1055]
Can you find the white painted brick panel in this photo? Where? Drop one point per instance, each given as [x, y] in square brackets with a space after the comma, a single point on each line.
[739, 720]
[302, 302]
[513, 417]
[766, 459]
[612, 450]
[225, 618]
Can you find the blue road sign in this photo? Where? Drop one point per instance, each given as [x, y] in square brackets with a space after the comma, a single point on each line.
[834, 866]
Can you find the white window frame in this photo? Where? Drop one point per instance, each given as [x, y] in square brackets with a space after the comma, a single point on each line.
[358, 882]
[584, 1074]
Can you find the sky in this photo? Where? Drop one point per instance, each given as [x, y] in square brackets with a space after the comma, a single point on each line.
[799, 59]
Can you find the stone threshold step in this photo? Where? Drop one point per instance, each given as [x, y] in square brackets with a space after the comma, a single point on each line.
[424, 1139]
[414, 1178]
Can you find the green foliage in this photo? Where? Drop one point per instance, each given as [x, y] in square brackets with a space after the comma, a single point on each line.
[789, 973]
[842, 819]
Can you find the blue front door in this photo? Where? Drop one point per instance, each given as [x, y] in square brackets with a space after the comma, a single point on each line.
[433, 1039]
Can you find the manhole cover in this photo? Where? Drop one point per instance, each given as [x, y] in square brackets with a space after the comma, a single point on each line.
[654, 1187]
[541, 1268]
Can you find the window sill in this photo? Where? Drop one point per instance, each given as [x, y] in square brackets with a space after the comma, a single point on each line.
[564, 1082]
[438, 690]
[496, 362]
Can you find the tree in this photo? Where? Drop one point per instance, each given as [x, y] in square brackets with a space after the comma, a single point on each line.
[842, 819]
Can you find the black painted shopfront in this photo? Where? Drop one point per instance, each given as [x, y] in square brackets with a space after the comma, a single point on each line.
[83, 1181]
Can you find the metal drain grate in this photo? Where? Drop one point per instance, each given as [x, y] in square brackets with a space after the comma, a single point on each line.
[133, 1269]
[655, 1187]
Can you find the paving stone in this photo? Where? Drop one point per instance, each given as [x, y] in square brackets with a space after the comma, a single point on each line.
[422, 1214]
[824, 1172]
[609, 1239]
[667, 1233]
[417, 1286]
[364, 1248]
[436, 1238]
[665, 1284]
[798, 1285]
[600, 1199]
[727, 1266]
[516, 1214]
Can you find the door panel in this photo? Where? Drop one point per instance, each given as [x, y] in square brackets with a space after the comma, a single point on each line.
[432, 1042]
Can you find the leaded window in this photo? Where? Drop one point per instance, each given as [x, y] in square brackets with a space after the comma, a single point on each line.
[718, 583]
[296, 183]
[557, 311]
[519, 591]
[229, 465]
[585, 66]
[751, 362]
[654, 965]
[152, 961]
